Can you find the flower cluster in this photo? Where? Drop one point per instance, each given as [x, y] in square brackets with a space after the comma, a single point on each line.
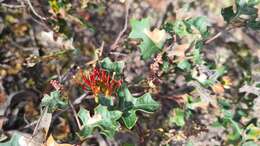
[100, 82]
[57, 85]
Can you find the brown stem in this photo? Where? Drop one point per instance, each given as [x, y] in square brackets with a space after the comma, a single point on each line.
[114, 45]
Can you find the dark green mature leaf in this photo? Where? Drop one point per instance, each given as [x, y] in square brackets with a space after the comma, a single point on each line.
[200, 23]
[248, 2]
[254, 24]
[53, 101]
[110, 66]
[129, 105]
[186, 27]
[245, 14]
[184, 65]
[228, 13]
[103, 119]
[152, 42]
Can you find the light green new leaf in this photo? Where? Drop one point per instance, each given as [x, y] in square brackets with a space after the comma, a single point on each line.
[253, 132]
[178, 118]
[53, 101]
[250, 143]
[152, 42]
[14, 141]
[103, 119]
[180, 28]
[129, 105]
[116, 67]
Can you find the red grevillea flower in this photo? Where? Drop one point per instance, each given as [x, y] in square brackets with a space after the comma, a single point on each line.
[100, 82]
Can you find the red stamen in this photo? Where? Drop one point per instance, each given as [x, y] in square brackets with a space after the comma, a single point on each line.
[99, 81]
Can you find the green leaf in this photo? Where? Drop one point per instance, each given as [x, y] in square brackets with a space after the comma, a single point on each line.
[245, 8]
[178, 118]
[254, 24]
[152, 42]
[250, 143]
[110, 66]
[186, 27]
[103, 119]
[129, 105]
[253, 132]
[189, 143]
[14, 141]
[201, 24]
[180, 28]
[53, 101]
[236, 133]
[236, 130]
[228, 13]
[184, 65]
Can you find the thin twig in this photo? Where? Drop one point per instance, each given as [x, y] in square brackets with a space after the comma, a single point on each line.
[226, 28]
[29, 125]
[214, 37]
[114, 45]
[79, 99]
[33, 10]
[75, 115]
[39, 121]
[118, 53]
[101, 49]
[12, 6]
[75, 102]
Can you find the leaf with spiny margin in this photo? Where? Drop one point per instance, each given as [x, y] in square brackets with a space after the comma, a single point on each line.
[53, 101]
[110, 66]
[152, 41]
[199, 23]
[184, 65]
[245, 14]
[192, 26]
[103, 119]
[129, 105]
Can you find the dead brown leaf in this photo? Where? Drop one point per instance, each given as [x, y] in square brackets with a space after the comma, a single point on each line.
[179, 51]
[159, 5]
[157, 35]
[52, 142]
[218, 88]
[2, 97]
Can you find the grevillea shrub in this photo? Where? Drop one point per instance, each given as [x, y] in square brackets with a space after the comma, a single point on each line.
[158, 81]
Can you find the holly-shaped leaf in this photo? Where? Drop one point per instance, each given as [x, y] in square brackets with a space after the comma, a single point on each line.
[192, 26]
[110, 66]
[129, 105]
[184, 65]
[53, 101]
[199, 23]
[180, 28]
[152, 41]
[103, 119]
[245, 13]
